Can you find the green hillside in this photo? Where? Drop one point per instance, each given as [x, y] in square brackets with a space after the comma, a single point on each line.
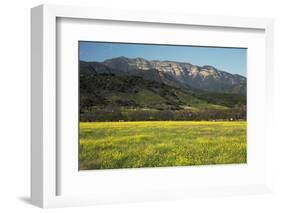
[110, 97]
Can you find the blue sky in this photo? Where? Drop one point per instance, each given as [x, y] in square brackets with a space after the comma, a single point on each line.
[232, 60]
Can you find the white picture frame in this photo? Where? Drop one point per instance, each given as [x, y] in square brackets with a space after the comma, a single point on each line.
[44, 150]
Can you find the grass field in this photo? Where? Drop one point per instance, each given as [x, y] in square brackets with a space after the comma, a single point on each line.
[110, 145]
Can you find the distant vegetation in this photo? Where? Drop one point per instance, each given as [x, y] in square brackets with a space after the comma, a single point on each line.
[107, 97]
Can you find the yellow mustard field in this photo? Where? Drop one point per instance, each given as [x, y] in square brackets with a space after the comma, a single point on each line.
[112, 145]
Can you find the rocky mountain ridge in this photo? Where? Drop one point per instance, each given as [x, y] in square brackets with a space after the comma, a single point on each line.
[172, 73]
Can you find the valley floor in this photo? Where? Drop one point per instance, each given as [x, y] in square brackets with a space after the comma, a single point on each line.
[110, 145]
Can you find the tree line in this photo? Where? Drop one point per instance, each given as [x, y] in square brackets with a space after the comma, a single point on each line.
[161, 115]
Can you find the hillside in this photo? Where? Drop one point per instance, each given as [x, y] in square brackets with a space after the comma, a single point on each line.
[119, 97]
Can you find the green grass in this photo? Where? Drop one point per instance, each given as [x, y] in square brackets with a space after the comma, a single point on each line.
[110, 145]
[143, 98]
[151, 99]
[198, 104]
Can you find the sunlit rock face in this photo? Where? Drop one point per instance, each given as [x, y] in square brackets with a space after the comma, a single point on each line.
[173, 73]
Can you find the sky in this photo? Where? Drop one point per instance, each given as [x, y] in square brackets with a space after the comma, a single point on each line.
[232, 60]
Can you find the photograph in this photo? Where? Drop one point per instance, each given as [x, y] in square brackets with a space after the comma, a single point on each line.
[161, 105]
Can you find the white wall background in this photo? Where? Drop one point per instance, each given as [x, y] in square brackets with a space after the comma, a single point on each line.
[15, 105]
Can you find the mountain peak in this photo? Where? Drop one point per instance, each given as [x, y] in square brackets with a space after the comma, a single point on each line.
[117, 58]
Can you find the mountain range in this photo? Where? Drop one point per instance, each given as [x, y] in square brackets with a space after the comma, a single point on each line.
[138, 89]
[175, 74]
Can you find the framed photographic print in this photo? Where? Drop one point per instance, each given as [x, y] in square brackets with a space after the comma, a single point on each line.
[129, 106]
